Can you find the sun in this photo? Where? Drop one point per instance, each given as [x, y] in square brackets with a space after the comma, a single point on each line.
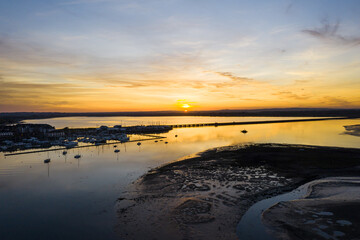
[185, 105]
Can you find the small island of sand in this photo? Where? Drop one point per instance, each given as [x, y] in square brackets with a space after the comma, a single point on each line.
[353, 130]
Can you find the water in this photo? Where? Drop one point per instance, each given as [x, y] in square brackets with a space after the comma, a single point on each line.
[252, 218]
[74, 199]
[78, 122]
[251, 228]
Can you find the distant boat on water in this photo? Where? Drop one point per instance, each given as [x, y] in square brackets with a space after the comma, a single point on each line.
[47, 160]
[64, 152]
[244, 131]
[139, 143]
[77, 156]
[117, 150]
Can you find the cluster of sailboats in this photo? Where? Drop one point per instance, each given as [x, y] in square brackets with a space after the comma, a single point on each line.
[48, 160]
[123, 138]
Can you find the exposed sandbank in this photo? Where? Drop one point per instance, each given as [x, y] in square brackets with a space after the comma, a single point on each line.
[204, 197]
[329, 211]
[353, 130]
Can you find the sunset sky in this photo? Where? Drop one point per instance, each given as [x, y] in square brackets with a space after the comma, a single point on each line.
[132, 55]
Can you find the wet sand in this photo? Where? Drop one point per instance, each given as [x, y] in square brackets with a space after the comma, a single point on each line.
[329, 211]
[205, 196]
[353, 130]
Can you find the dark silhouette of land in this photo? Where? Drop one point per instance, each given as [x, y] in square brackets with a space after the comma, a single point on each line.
[14, 117]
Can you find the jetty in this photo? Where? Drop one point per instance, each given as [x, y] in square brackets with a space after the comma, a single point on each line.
[216, 124]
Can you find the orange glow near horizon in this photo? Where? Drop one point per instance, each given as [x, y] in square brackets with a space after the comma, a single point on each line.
[221, 62]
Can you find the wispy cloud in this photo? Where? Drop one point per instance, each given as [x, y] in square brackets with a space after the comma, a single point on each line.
[330, 32]
[234, 77]
[289, 7]
[84, 2]
[291, 95]
[336, 101]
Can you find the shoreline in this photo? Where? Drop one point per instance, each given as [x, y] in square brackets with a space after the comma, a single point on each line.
[328, 210]
[307, 119]
[272, 112]
[12, 137]
[19, 118]
[204, 197]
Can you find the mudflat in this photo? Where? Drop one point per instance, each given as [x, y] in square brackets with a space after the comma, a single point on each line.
[329, 211]
[353, 130]
[205, 196]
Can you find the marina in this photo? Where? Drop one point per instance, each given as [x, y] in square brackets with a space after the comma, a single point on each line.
[85, 146]
[43, 135]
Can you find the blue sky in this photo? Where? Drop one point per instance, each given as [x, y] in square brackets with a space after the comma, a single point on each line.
[107, 55]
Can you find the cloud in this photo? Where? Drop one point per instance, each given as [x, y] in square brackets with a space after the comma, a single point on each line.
[289, 7]
[233, 77]
[24, 95]
[291, 95]
[301, 81]
[27, 53]
[330, 32]
[336, 101]
[137, 83]
[84, 2]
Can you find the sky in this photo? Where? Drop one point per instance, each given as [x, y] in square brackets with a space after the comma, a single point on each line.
[155, 55]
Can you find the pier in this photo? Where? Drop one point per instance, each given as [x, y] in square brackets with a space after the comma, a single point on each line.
[216, 124]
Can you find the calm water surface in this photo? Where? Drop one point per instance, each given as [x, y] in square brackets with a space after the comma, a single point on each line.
[74, 199]
[78, 122]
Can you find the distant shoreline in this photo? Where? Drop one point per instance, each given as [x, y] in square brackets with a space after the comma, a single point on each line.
[292, 112]
[218, 124]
